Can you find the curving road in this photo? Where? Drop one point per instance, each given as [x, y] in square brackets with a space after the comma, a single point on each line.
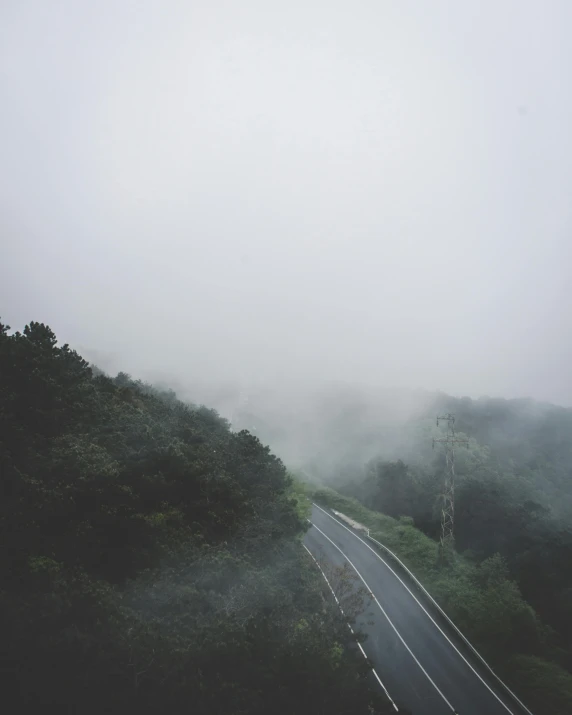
[421, 668]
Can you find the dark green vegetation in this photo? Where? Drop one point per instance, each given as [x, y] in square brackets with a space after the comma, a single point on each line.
[511, 591]
[150, 558]
[483, 601]
[513, 497]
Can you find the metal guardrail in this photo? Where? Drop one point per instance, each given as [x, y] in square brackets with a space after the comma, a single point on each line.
[449, 621]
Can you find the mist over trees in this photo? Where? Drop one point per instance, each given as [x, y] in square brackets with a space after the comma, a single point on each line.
[150, 557]
[513, 487]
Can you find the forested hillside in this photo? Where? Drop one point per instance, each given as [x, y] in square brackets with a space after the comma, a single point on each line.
[513, 495]
[150, 557]
[514, 477]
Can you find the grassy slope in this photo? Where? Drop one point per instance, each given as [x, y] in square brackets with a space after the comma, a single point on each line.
[482, 601]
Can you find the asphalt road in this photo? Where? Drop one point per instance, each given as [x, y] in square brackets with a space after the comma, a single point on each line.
[416, 662]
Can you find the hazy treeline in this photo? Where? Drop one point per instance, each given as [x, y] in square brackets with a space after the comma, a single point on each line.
[513, 498]
[150, 557]
[514, 477]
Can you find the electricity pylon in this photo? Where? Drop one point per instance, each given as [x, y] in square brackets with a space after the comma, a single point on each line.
[447, 543]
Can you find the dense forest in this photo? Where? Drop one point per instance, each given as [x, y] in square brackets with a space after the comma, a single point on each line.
[513, 495]
[513, 508]
[151, 557]
[514, 478]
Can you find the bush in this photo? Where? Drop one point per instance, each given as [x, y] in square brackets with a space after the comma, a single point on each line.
[482, 601]
[150, 558]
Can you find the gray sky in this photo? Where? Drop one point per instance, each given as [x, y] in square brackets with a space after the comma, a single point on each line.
[368, 191]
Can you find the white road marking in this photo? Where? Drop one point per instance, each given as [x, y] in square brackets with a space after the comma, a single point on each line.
[388, 618]
[351, 629]
[420, 606]
[442, 612]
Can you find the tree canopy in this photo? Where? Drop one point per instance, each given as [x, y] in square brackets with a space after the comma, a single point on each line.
[150, 556]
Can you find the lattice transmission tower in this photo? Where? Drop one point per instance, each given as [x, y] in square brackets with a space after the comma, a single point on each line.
[447, 543]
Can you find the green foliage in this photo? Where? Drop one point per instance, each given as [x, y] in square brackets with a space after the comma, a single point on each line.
[542, 677]
[513, 494]
[481, 599]
[487, 605]
[299, 493]
[150, 557]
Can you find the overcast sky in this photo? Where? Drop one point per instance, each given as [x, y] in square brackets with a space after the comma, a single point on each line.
[375, 191]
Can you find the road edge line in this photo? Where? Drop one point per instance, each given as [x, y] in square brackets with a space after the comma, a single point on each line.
[411, 653]
[465, 639]
[351, 629]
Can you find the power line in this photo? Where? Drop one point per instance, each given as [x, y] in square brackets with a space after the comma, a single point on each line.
[447, 543]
